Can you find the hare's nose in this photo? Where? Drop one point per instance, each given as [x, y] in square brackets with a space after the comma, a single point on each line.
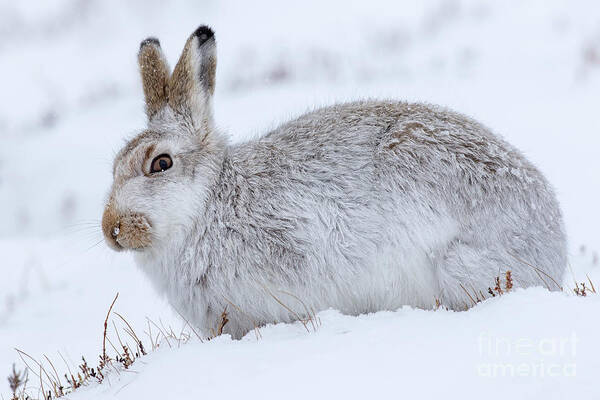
[111, 227]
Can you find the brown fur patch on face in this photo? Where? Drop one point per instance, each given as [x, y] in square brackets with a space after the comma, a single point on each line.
[146, 136]
[155, 76]
[110, 222]
[147, 159]
[149, 151]
[134, 232]
[126, 231]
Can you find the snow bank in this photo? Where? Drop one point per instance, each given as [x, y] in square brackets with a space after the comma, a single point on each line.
[527, 344]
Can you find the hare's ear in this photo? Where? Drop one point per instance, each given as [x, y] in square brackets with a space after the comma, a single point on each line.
[193, 81]
[155, 75]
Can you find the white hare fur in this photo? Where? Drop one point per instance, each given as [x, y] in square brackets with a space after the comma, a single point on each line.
[359, 207]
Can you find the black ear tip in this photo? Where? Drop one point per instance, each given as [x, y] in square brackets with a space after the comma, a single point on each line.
[150, 40]
[204, 34]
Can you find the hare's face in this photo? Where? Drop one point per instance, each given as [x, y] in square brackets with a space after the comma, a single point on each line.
[162, 176]
[155, 190]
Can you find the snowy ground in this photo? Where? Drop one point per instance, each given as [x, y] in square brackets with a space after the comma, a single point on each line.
[71, 94]
[492, 351]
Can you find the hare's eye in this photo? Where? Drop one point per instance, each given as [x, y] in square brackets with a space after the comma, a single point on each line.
[161, 163]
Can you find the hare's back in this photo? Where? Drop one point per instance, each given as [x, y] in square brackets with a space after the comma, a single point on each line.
[420, 137]
[425, 152]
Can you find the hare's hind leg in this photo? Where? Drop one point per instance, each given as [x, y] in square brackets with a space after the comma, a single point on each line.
[465, 271]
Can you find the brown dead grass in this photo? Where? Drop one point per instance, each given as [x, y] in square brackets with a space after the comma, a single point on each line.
[52, 386]
[124, 355]
[504, 284]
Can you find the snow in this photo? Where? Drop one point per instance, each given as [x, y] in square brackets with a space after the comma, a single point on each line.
[389, 354]
[71, 94]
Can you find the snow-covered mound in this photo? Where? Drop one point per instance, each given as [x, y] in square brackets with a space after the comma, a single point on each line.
[524, 345]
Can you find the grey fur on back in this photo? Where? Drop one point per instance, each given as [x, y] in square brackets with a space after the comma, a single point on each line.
[359, 207]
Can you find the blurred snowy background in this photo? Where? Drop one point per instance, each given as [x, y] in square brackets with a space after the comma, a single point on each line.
[71, 94]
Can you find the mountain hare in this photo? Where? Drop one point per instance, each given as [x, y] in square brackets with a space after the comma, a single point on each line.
[360, 207]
